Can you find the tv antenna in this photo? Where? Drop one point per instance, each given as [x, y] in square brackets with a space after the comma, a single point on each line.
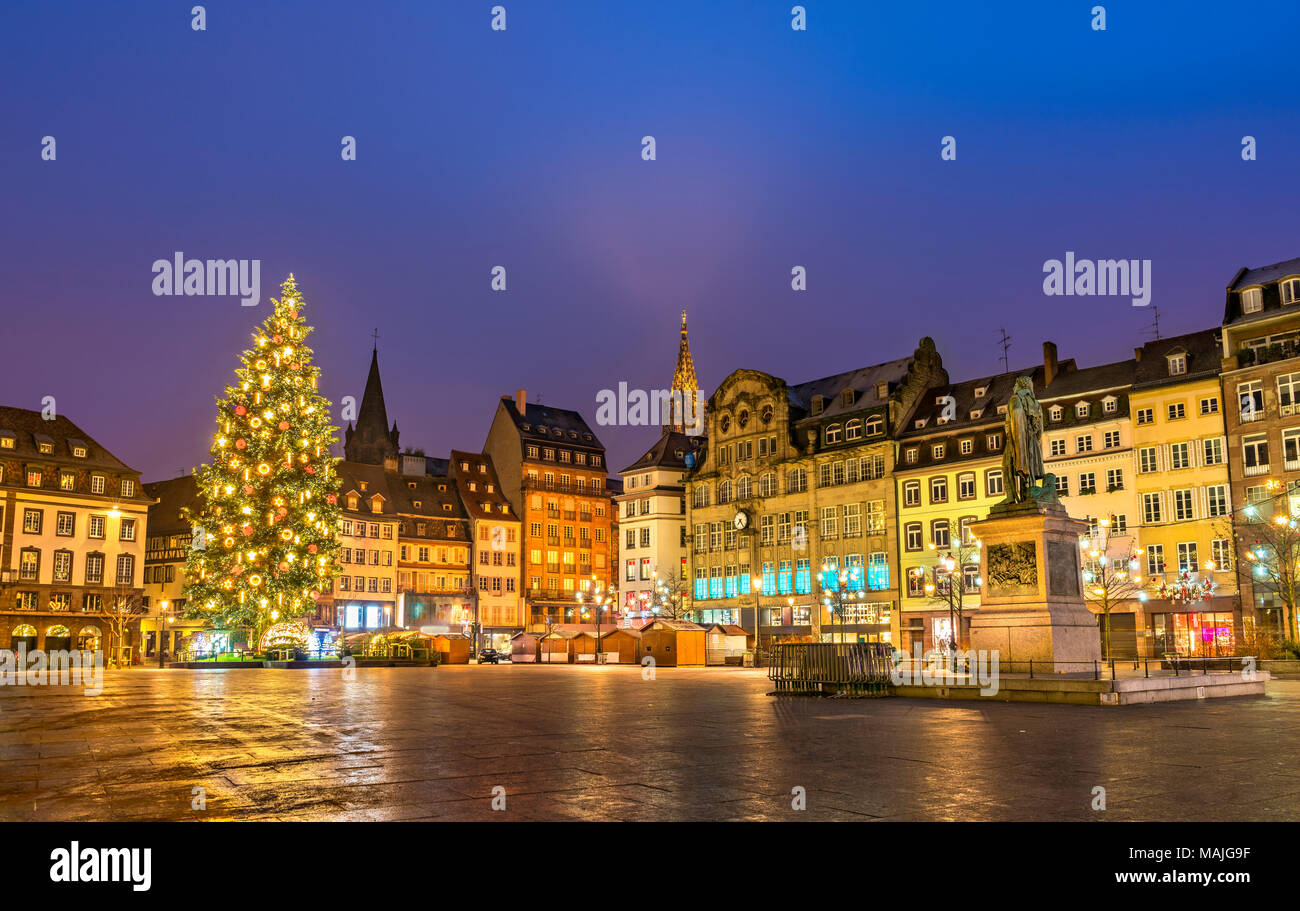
[1005, 342]
[1155, 321]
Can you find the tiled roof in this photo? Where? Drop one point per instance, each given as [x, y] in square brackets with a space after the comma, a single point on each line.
[862, 381]
[26, 426]
[540, 422]
[353, 475]
[1203, 351]
[173, 496]
[1265, 274]
[474, 499]
[669, 451]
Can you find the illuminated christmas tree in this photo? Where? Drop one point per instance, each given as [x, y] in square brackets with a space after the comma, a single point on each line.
[264, 534]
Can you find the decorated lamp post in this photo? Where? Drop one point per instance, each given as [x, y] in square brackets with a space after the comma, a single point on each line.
[600, 600]
[838, 593]
[1111, 572]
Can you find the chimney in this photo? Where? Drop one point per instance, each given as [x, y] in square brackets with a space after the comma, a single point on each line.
[521, 400]
[1050, 366]
[1137, 354]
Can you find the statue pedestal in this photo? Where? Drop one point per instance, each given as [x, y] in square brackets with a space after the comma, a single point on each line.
[1031, 602]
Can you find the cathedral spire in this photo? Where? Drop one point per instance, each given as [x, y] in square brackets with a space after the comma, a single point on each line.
[685, 384]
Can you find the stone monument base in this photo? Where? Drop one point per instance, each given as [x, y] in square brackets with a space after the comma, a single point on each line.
[1031, 602]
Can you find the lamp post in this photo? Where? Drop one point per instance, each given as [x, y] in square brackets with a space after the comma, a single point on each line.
[602, 599]
[837, 593]
[162, 607]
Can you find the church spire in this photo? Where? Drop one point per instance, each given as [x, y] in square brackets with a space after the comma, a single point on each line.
[371, 441]
[685, 385]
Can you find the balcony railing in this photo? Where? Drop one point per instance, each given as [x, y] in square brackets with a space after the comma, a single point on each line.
[1251, 471]
[1291, 464]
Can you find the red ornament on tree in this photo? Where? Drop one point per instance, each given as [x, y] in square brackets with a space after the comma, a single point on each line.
[241, 443]
[241, 410]
[283, 425]
[248, 530]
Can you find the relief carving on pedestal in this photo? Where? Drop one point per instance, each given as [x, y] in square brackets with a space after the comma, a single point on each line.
[1012, 568]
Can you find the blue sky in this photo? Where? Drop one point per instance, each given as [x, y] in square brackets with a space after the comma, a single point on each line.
[521, 148]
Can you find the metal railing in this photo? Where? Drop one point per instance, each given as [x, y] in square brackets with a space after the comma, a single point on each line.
[862, 668]
[1170, 665]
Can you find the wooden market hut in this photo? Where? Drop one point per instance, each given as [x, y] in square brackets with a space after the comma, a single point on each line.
[525, 648]
[738, 642]
[673, 643]
[621, 646]
[454, 647]
[555, 646]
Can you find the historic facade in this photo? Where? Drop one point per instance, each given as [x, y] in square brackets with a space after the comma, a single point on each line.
[552, 469]
[796, 482]
[167, 542]
[496, 537]
[72, 538]
[1184, 497]
[1261, 381]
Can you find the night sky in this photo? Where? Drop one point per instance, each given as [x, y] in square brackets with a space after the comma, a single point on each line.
[523, 149]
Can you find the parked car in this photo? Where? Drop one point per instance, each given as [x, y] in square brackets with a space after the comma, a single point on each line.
[491, 656]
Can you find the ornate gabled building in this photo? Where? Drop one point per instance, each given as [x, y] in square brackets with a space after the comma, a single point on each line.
[371, 441]
[794, 478]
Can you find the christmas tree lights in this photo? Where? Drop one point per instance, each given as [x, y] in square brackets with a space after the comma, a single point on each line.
[265, 531]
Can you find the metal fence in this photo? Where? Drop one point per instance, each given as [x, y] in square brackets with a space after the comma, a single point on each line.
[859, 668]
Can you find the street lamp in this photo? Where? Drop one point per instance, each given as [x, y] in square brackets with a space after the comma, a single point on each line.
[602, 599]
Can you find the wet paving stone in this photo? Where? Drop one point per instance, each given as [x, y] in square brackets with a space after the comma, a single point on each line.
[580, 743]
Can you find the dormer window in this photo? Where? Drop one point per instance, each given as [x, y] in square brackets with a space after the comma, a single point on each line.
[977, 414]
[919, 423]
[882, 391]
[1081, 410]
[1252, 300]
[417, 504]
[818, 404]
[364, 485]
[410, 485]
[833, 433]
[482, 469]
[1002, 409]
[6, 441]
[1056, 412]
[352, 501]
[44, 445]
[981, 391]
[1290, 289]
[1177, 364]
[937, 450]
[846, 398]
[1110, 404]
[377, 504]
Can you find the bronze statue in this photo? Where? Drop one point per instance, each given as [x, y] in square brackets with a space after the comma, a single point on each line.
[1022, 457]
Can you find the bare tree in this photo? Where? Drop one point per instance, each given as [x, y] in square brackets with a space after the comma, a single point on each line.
[1112, 573]
[1266, 542]
[669, 596]
[123, 606]
[956, 577]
